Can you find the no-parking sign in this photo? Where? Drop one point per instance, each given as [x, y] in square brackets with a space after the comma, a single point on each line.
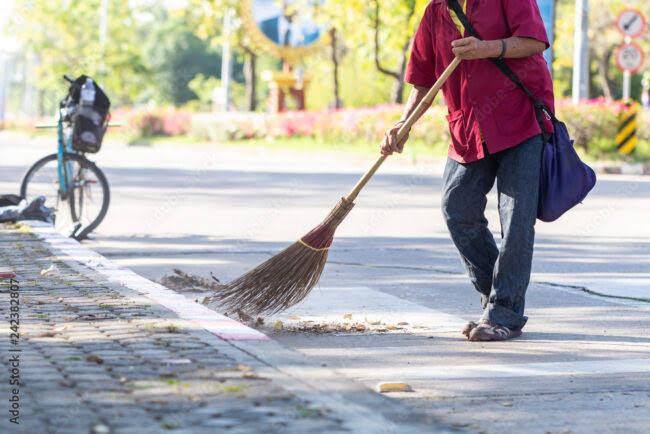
[631, 23]
[629, 57]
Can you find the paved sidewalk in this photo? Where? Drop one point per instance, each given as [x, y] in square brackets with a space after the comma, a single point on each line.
[96, 357]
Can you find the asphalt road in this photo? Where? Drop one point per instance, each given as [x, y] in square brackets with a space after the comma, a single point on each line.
[583, 364]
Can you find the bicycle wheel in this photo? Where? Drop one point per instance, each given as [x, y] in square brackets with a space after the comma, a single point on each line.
[89, 197]
[83, 207]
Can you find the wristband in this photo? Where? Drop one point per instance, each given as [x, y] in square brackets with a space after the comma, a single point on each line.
[504, 48]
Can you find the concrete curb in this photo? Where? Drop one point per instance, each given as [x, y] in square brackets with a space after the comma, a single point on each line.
[622, 169]
[361, 410]
[215, 323]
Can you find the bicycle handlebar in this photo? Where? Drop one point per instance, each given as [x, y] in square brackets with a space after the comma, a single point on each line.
[67, 78]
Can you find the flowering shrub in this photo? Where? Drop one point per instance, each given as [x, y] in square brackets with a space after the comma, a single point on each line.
[644, 125]
[158, 122]
[176, 122]
[293, 124]
[147, 124]
[219, 127]
[592, 124]
[24, 124]
[369, 125]
[330, 126]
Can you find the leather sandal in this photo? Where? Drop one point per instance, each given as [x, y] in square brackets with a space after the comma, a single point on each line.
[490, 332]
[468, 328]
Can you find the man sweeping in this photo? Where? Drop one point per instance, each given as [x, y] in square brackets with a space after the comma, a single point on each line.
[496, 137]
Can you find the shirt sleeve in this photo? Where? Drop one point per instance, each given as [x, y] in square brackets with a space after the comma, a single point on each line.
[525, 20]
[420, 70]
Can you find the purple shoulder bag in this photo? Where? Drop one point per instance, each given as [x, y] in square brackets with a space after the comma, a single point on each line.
[564, 180]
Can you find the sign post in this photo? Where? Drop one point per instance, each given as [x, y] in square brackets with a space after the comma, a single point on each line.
[629, 56]
[580, 85]
[629, 59]
[224, 97]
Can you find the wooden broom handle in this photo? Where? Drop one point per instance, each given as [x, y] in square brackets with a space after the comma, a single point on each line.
[422, 107]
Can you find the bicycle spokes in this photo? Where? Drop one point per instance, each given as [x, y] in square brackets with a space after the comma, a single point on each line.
[80, 203]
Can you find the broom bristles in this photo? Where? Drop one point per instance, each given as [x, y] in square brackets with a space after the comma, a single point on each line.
[286, 278]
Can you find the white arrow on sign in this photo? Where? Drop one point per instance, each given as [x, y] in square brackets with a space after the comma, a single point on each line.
[629, 57]
[631, 22]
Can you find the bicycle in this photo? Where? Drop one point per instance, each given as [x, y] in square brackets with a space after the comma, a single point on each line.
[68, 180]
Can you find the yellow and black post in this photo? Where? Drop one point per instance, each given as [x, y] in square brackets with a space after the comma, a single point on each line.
[626, 137]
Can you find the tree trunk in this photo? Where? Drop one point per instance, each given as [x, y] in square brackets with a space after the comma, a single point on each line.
[603, 73]
[378, 65]
[335, 64]
[397, 95]
[250, 76]
[398, 90]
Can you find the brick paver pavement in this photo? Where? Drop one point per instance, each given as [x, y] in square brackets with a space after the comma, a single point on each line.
[97, 359]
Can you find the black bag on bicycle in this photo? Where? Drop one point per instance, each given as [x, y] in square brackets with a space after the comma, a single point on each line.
[91, 116]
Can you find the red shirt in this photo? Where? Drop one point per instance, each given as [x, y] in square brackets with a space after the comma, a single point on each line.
[480, 98]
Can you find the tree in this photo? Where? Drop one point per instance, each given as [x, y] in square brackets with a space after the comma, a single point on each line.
[64, 35]
[382, 30]
[205, 13]
[378, 30]
[334, 47]
[398, 72]
[175, 55]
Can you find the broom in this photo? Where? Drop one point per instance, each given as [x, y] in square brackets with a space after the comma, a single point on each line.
[286, 278]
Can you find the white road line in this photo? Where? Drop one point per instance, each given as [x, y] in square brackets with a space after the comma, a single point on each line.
[220, 325]
[327, 304]
[454, 372]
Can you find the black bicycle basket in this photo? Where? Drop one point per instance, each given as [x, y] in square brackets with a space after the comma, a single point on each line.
[89, 123]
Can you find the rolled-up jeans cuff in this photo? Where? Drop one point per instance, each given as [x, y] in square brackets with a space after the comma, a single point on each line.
[499, 315]
[484, 288]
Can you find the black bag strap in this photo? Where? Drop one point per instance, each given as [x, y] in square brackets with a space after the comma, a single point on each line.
[500, 63]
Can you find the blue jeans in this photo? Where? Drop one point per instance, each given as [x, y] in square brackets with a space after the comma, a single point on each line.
[502, 274]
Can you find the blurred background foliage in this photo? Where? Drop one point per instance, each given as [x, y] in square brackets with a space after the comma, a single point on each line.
[606, 79]
[155, 49]
[161, 54]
